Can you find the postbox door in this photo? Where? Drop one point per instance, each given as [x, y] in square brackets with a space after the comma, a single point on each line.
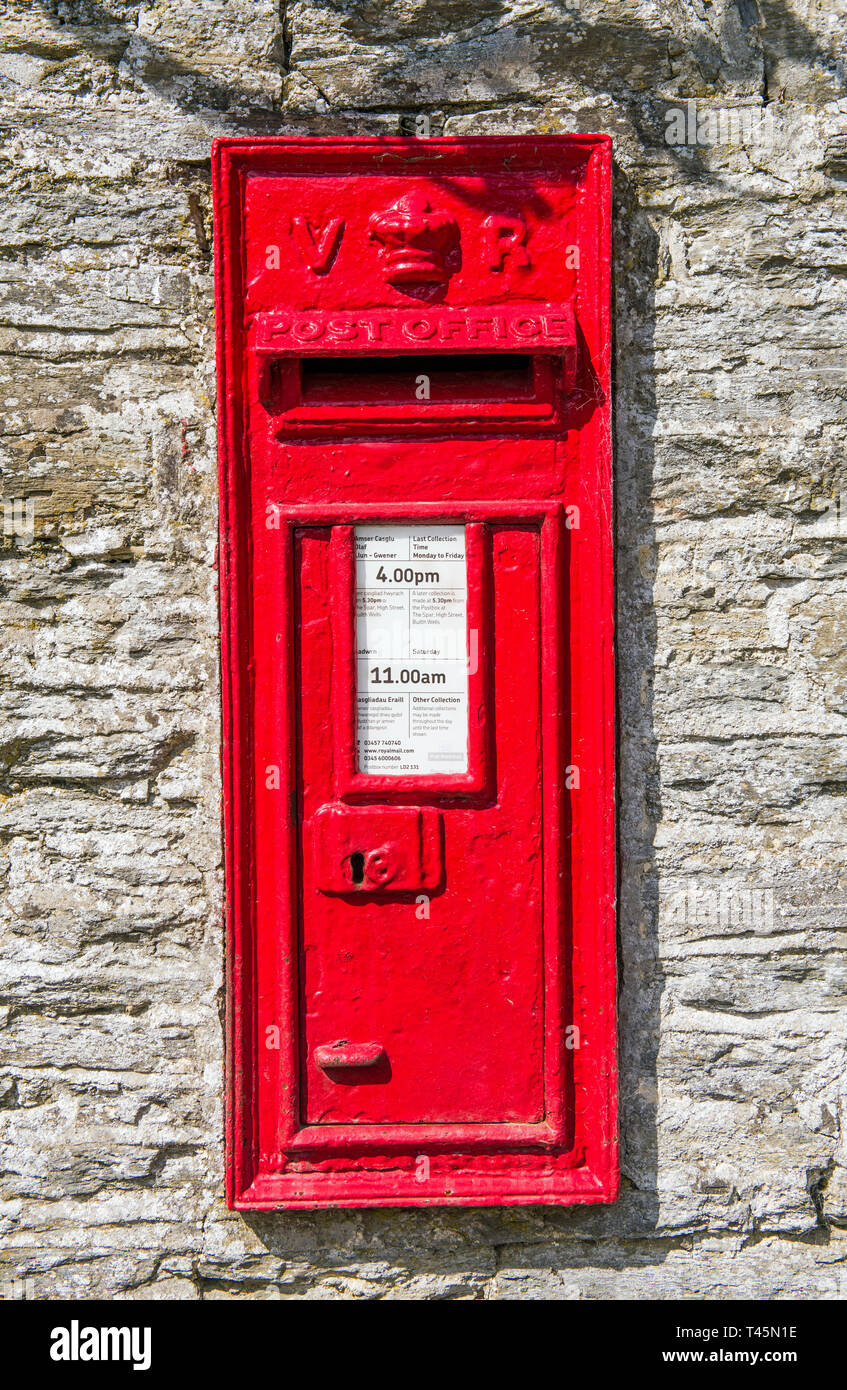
[421, 972]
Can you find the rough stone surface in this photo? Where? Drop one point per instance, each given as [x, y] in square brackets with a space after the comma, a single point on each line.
[731, 267]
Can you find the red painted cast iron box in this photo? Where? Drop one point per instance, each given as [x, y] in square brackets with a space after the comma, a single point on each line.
[417, 659]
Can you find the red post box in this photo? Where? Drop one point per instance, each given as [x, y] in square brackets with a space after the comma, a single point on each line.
[417, 660]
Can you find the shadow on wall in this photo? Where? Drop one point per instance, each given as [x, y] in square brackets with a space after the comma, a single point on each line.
[463, 1248]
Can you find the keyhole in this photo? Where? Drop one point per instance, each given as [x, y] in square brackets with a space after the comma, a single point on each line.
[357, 867]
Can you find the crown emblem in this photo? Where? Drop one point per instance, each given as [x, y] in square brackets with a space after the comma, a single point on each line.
[419, 244]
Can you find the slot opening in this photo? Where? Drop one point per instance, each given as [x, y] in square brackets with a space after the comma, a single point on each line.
[454, 378]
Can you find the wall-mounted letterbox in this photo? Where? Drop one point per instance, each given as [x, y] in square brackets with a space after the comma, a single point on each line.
[417, 601]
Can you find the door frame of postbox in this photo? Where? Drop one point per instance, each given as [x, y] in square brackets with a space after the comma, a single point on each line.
[283, 1070]
[588, 1170]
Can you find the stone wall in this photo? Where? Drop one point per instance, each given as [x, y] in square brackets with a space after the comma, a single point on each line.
[731, 258]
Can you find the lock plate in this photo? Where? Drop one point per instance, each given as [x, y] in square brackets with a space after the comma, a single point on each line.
[391, 850]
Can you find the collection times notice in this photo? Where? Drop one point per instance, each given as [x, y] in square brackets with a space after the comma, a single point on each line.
[411, 643]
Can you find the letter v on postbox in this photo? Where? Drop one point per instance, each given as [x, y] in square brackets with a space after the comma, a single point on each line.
[417, 659]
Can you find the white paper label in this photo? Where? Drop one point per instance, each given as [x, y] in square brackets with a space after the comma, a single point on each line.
[411, 643]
